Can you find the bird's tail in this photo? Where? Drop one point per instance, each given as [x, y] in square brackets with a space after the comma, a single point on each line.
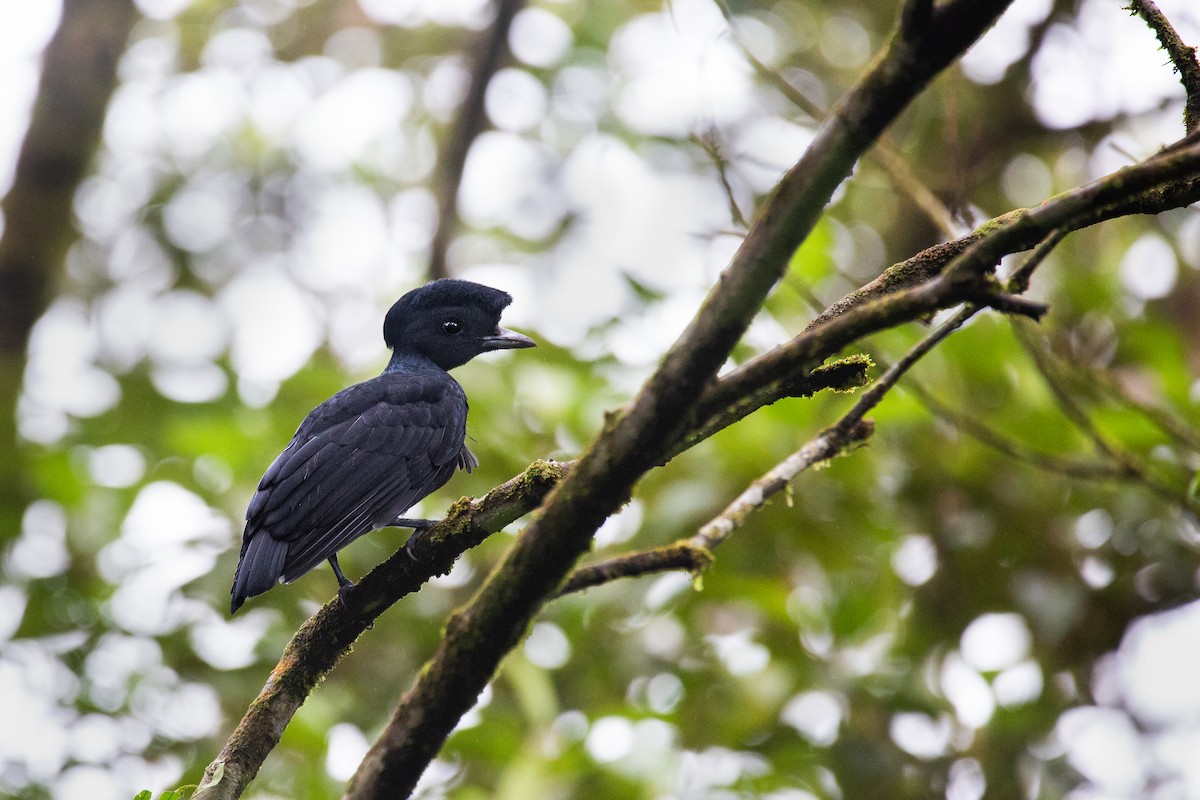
[258, 569]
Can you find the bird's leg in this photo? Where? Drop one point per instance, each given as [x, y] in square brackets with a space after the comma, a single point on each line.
[419, 526]
[344, 583]
[415, 524]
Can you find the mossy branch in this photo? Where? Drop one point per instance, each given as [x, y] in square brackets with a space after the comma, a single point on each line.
[958, 271]
[1182, 57]
[478, 636]
[329, 634]
[682, 403]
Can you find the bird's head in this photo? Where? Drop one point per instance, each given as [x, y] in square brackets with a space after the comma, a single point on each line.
[450, 322]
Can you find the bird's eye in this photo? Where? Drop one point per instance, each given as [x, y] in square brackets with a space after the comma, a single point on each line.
[451, 327]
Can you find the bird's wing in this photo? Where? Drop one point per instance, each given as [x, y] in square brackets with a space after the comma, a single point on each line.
[359, 460]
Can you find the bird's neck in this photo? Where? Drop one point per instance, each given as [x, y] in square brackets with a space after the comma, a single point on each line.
[410, 363]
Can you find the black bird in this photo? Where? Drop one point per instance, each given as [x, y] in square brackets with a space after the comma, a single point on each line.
[366, 455]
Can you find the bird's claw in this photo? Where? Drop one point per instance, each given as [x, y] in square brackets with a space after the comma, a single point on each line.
[343, 597]
[420, 527]
[414, 541]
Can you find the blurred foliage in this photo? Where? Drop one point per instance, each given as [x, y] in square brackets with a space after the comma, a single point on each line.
[828, 630]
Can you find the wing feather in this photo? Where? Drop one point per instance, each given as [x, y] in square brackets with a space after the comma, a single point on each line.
[359, 460]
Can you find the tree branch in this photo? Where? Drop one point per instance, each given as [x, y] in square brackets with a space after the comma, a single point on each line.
[883, 153]
[1169, 179]
[488, 53]
[329, 634]
[1182, 57]
[479, 636]
[695, 552]
[473, 647]
[79, 73]
[78, 77]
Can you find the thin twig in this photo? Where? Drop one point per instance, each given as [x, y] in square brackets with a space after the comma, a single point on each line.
[1184, 434]
[1066, 399]
[712, 148]
[1080, 470]
[695, 552]
[486, 55]
[1018, 282]
[1128, 462]
[883, 153]
[1181, 55]
[680, 555]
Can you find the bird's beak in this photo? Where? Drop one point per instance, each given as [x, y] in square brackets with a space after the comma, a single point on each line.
[504, 339]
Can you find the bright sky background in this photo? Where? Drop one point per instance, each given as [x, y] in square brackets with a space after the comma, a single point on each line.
[1106, 67]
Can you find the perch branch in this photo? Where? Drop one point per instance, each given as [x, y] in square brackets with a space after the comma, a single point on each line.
[479, 635]
[329, 634]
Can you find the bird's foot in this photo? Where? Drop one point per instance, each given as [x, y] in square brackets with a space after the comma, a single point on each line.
[414, 541]
[420, 529]
[344, 593]
[345, 587]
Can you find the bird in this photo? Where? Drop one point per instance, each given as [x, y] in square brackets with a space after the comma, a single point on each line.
[365, 456]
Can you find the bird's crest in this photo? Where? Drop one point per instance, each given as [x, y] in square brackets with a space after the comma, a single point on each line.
[444, 293]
